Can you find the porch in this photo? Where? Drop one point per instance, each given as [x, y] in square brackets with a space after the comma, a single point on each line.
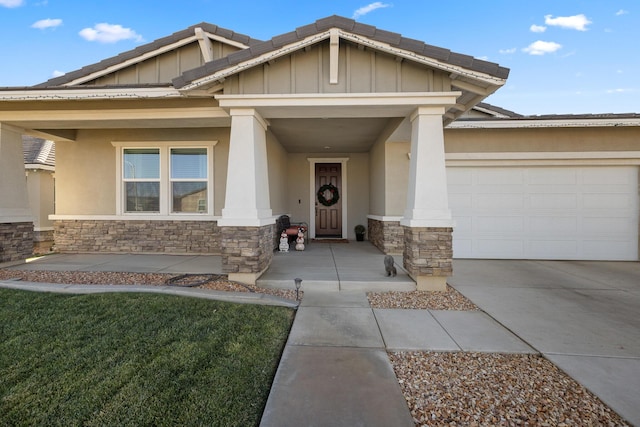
[327, 266]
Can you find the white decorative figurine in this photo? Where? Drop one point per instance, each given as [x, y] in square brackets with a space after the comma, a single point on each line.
[300, 241]
[284, 242]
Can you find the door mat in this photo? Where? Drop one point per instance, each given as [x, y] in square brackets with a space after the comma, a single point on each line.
[330, 240]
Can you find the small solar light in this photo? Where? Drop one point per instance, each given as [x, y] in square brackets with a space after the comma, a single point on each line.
[298, 283]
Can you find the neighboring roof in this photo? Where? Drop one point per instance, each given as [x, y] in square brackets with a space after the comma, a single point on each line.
[149, 47]
[496, 112]
[548, 121]
[38, 151]
[395, 40]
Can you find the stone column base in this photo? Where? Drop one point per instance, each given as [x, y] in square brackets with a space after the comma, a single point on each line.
[16, 241]
[246, 251]
[428, 256]
[388, 236]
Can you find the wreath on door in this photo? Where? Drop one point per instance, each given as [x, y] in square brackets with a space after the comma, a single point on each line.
[333, 190]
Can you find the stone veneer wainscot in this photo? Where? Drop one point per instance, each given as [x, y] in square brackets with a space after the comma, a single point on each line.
[247, 250]
[16, 241]
[140, 236]
[388, 236]
[428, 251]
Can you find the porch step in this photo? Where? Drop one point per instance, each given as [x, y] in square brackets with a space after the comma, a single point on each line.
[335, 285]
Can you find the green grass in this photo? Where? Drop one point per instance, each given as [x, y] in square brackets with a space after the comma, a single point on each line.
[135, 359]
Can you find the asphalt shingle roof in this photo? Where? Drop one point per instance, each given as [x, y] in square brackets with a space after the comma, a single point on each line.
[350, 25]
[38, 151]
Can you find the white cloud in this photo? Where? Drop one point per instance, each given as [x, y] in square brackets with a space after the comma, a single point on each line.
[11, 3]
[109, 33]
[57, 73]
[621, 90]
[622, 12]
[508, 51]
[47, 23]
[541, 47]
[537, 28]
[575, 22]
[369, 8]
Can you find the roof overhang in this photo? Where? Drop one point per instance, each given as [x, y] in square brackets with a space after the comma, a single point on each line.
[88, 93]
[353, 105]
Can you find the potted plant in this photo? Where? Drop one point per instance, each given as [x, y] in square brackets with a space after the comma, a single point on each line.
[360, 230]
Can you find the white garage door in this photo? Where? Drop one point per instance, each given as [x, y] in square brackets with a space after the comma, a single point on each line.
[578, 213]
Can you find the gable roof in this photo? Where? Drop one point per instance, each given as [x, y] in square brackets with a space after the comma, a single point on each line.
[187, 34]
[38, 151]
[441, 56]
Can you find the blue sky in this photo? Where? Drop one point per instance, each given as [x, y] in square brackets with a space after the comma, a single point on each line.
[565, 56]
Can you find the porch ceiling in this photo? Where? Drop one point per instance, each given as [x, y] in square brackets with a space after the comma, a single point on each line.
[341, 135]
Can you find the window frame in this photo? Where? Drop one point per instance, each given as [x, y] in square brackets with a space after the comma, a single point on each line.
[165, 203]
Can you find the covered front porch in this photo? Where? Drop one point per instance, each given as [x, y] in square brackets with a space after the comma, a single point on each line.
[321, 266]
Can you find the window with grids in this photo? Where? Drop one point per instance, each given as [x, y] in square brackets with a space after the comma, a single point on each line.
[141, 178]
[188, 180]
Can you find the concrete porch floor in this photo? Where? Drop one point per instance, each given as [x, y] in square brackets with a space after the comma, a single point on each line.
[321, 266]
[335, 267]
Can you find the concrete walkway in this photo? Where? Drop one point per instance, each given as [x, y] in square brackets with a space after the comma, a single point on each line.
[335, 370]
[582, 316]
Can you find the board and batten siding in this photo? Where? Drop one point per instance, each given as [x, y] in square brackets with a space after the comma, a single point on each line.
[359, 71]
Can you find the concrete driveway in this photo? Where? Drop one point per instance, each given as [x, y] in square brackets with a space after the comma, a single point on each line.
[583, 316]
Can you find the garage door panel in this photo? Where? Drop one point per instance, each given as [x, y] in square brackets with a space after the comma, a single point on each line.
[491, 248]
[506, 224]
[461, 200]
[554, 225]
[556, 176]
[553, 249]
[499, 201]
[606, 201]
[611, 175]
[545, 213]
[553, 201]
[503, 176]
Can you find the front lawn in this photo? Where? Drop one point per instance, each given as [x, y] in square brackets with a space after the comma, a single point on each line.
[136, 359]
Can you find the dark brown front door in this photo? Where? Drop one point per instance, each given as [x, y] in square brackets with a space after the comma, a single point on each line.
[329, 218]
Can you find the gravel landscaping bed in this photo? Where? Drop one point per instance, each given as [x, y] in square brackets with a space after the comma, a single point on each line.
[479, 389]
[220, 283]
[449, 300]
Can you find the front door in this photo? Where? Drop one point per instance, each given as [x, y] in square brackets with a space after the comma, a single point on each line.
[328, 200]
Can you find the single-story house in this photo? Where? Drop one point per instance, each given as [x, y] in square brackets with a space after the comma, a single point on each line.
[40, 165]
[199, 141]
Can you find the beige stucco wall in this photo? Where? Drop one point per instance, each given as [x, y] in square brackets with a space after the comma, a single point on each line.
[377, 173]
[397, 177]
[86, 169]
[298, 187]
[40, 185]
[359, 190]
[14, 202]
[278, 175]
[541, 139]
[359, 71]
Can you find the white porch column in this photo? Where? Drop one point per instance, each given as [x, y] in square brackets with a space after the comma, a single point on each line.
[247, 200]
[427, 200]
[427, 222]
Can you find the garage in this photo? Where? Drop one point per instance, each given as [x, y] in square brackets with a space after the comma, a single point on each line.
[568, 213]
